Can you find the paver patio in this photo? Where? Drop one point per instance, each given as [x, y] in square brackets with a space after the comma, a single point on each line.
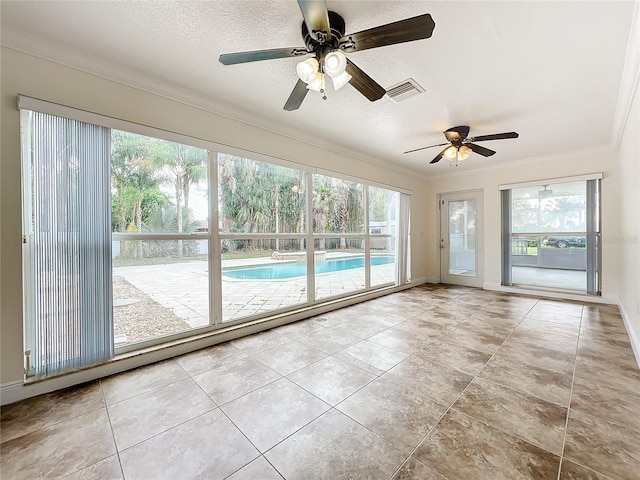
[184, 288]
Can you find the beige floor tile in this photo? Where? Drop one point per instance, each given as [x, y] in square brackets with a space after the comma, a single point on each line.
[139, 418]
[602, 446]
[423, 328]
[331, 380]
[272, 413]
[429, 379]
[233, 380]
[400, 340]
[461, 447]
[259, 469]
[58, 450]
[525, 339]
[621, 407]
[141, 380]
[534, 420]
[259, 341]
[572, 471]
[594, 371]
[394, 412]
[208, 358]
[545, 328]
[554, 316]
[360, 328]
[371, 357]
[107, 469]
[458, 357]
[538, 382]
[560, 307]
[289, 357]
[486, 342]
[335, 447]
[412, 469]
[301, 328]
[209, 446]
[539, 356]
[35, 413]
[330, 340]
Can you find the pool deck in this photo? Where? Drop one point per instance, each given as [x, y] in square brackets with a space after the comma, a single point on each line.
[183, 287]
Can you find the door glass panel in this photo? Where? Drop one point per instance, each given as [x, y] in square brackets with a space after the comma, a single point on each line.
[549, 236]
[462, 237]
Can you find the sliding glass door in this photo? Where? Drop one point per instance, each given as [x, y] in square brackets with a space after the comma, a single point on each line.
[552, 233]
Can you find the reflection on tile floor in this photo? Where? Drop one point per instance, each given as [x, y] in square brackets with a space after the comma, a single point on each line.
[436, 382]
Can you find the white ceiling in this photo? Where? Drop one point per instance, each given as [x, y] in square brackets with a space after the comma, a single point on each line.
[549, 70]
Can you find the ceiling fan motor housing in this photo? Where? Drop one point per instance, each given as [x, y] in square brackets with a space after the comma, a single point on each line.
[337, 26]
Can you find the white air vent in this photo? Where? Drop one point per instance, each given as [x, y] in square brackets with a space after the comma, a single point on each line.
[404, 90]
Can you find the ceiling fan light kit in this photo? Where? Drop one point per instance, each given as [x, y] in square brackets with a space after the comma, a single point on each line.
[460, 145]
[324, 37]
[335, 64]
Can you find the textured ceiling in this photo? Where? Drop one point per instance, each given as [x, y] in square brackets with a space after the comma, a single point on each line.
[549, 70]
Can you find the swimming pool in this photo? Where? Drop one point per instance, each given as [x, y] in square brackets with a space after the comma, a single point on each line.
[279, 271]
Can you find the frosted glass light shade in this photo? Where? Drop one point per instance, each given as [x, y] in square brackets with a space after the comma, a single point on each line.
[307, 70]
[464, 152]
[335, 63]
[340, 80]
[317, 83]
[451, 153]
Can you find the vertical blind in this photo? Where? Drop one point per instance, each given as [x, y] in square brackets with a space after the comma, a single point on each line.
[68, 306]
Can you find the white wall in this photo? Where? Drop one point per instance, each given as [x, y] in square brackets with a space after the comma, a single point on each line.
[31, 76]
[576, 163]
[628, 240]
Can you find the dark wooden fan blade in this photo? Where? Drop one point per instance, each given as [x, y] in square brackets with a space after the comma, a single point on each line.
[258, 55]
[439, 157]
[408, 30]
[297, 96]
[362, 82]
[423, 148]
[495, 136]
[485, 152]
[457, 134]
[316, 17]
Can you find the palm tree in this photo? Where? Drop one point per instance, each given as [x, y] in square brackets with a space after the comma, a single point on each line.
[323, 200]
[186, 165]
[128, 159]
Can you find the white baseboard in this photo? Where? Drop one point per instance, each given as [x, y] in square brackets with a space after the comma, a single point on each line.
[429, 280]
[11, 392]
[633, 337]
[607, 299]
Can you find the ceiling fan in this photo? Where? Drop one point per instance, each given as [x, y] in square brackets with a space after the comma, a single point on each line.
[461, 145]
[324, 36]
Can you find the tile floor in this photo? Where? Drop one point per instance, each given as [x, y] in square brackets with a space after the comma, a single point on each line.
[431, 383]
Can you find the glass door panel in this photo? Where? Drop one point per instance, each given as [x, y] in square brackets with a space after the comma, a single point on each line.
[462, 238]
[550, 243]
[460, 250]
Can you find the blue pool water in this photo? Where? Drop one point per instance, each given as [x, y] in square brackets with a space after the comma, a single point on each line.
[278, 271]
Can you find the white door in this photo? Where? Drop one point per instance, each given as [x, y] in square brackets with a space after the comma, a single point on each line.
[461, 250]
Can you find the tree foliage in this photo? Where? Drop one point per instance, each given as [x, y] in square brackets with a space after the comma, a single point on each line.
[143, 171]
